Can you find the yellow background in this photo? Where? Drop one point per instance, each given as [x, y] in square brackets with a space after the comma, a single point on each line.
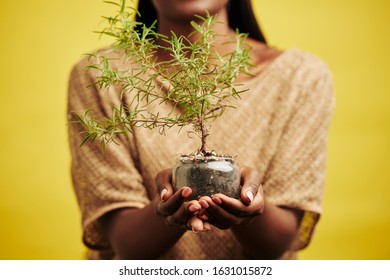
[41, 39]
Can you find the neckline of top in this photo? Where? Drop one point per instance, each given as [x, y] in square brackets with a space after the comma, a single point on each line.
[261, 71]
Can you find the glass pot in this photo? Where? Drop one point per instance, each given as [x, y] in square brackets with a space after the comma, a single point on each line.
[207, 175]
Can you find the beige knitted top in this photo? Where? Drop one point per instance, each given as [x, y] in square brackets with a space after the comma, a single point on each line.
[279, 127]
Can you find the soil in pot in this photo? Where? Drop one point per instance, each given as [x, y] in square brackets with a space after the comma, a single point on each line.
[207, 175]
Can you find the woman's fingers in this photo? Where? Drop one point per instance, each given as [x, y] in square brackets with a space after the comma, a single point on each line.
[217, 215]
[164, 184]
[198, 225]
[238, 208]
[171, 205]
[175, 208]
[251, 185]
[169, 202]
[224, 212]
[184, 213]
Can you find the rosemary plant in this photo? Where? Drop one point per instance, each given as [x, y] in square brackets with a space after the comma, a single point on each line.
[197, 81]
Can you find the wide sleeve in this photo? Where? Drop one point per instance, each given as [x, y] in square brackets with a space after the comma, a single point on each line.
[102, 181]
[296, 175]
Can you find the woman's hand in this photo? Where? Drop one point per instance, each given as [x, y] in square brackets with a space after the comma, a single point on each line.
[225, 212]
[174, 208]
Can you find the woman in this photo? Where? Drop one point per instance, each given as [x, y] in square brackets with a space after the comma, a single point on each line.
[129, 212]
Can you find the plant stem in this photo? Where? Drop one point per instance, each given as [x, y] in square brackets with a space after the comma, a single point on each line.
[204, 134]
[203, 130]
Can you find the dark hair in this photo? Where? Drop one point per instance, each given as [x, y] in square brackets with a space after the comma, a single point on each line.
[240, 15]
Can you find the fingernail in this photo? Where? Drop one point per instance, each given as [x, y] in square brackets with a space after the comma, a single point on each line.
[217, 200]
[186, 192]
[249, 195]
[204, 217]
[194, 230]
[207, 226]
[193, 208]
[204, 204]
[163, 192]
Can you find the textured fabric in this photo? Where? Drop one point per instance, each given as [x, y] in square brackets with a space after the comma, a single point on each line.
[279, 127]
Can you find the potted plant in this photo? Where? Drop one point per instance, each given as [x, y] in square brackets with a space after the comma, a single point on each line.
[197, 81]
